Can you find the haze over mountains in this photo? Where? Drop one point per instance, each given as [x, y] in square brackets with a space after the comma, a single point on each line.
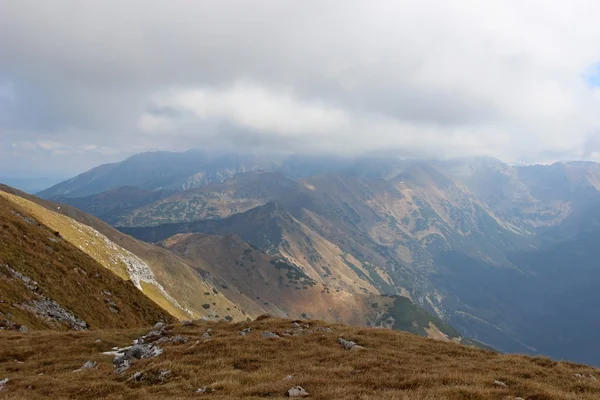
[506, 254]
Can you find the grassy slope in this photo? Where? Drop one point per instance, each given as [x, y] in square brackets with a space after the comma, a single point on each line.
[177, 278]
[394, 365]
[64, 274]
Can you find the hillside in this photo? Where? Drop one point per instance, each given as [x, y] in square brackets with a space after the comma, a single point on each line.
[48, 283]
[445, 233]
[257, 281]
[214, 360]
[165, 278]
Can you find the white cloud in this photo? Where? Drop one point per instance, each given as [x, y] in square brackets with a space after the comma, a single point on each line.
[505, 78]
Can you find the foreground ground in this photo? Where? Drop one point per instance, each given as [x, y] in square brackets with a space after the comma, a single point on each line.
[392, 365]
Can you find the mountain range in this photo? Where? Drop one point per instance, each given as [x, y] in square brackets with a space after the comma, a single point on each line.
[504, 254]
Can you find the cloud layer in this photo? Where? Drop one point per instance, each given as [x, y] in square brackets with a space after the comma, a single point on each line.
[102, 79]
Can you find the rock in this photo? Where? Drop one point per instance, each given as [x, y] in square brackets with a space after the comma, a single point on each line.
[297, 391]
[519, 398]
[153, 334]
[245, 331]
[87, 365]
[500, 383]
[2, 383]
[158, 326]
[98, 340]
[204, 389]
[187, 323]
[113, 310]
[321, 329]
[23, 329]
[124, 357]
[180, 339]
[349, 345]
[270, 335]
[206, 334]
[123, 366]
[137, 377]
[288, 378]
[295, 325]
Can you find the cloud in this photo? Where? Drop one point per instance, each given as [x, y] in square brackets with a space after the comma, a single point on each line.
[511, 79]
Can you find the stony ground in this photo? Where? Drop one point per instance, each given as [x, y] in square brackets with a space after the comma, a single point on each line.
[275, 359]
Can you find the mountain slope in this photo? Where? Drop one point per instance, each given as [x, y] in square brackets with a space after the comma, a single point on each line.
[165, 278]
[159, 170]
[48, 283]
[392, 365]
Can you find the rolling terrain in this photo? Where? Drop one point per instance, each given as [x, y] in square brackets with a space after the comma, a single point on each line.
[465, 239]
[223, 277]
[213, 360]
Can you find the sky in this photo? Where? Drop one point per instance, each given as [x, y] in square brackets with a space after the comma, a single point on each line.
[88, 82]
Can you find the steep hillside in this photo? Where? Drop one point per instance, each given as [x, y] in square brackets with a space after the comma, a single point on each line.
[163, 277]
[46, 282]
[213, 360]
[258, 281]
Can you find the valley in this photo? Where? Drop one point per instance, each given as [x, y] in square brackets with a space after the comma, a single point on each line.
[463, 239]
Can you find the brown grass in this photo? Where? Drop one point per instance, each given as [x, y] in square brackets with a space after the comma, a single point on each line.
[394, 365]
[65, 274]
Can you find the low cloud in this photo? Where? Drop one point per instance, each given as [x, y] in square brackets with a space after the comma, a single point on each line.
[511, 79]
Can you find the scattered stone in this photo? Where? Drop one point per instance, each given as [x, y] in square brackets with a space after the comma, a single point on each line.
[98, 340]
[2, 383]
[23, 329]
[349, 345]
[245, 331]
[158, 326]
[206, 334]
[180, 339]
[137, 377]
[107, 292]
[500, 383]
[270, 335]
[295, 325]
[321, 329]
[288, 378]
[519, 398]
[187, 323]
[124, 357]
[87, 365]
[113, 310]
[297, 391]
[204, 389]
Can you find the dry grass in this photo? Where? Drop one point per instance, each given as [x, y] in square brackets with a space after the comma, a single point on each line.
[394, 365]
[64, 274]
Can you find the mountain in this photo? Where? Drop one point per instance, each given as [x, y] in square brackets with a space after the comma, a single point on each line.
[448, 234]
[213, 360]
[195, 276]
[47, 282]
[159, 170]
[165, 278]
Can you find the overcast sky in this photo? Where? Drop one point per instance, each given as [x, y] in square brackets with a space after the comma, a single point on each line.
[86, 82]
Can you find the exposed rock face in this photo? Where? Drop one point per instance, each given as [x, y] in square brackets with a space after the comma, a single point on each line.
[53, 311]
[45, 307]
